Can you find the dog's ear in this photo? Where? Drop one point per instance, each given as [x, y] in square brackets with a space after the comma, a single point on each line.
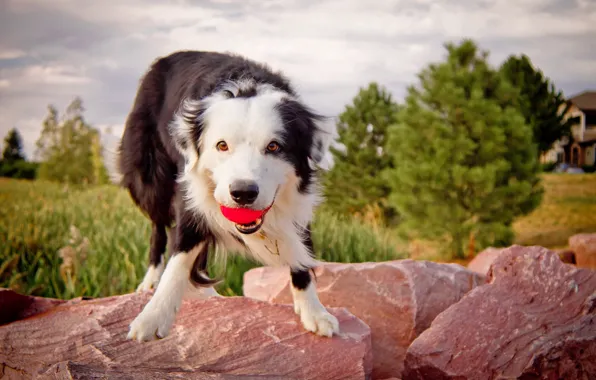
[322, 130]
[325, 134]
[185, 129]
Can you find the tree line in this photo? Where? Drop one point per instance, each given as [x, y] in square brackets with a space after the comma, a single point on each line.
[458, 161]
[68, 150]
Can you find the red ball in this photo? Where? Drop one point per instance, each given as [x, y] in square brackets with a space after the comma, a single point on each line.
[241, 215]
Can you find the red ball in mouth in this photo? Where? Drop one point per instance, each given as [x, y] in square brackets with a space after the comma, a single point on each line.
[241, 215]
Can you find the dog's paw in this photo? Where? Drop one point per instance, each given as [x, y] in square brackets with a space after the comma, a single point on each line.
[151, 279]
[318, 321]
[153, 322]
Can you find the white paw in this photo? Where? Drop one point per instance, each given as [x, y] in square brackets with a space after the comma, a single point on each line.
[151, 278]
[317, 320]
[154, 322]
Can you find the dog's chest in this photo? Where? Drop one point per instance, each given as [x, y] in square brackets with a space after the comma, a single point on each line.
[261, 246]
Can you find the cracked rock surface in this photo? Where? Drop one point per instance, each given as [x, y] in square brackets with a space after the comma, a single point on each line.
[219, 338]
[535, 319]
[397, 299]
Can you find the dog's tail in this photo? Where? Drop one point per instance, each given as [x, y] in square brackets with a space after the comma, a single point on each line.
[111, 156]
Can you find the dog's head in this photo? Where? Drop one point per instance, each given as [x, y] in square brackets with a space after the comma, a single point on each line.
[247, 143]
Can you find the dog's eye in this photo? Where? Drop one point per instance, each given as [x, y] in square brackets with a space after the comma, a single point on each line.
[222, 146]
[273, 147]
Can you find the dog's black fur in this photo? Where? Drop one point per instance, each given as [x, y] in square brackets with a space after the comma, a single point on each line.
[150, 163]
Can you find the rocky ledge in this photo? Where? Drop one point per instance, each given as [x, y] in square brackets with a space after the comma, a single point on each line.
[219, 338]
[526, 315]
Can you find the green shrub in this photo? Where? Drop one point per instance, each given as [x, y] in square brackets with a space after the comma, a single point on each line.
[20, 169]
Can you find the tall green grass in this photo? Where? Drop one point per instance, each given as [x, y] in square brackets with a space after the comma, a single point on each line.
[105, 251]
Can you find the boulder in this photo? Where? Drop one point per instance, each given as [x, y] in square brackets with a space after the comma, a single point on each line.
[482, 261]
[584, 246]
[536, 319]
[397, 299]
[229, 338]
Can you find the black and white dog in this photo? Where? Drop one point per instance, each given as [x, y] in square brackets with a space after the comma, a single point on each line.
[209, 131]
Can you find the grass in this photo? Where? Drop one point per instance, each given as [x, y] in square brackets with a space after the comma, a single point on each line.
[568, 208]
[105, 251]
[64, 242]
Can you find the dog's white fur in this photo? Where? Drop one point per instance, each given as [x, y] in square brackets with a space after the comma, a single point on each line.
[158, 315]
[313, 315]
[152, 277]
[247, 125]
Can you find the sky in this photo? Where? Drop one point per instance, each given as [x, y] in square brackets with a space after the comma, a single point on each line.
[52, 51]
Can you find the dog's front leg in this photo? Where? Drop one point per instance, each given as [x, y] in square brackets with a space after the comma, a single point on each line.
[159, 314]
[313, 315]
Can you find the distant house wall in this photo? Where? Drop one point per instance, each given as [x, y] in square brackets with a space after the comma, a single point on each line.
[590, 155]
[577, 131]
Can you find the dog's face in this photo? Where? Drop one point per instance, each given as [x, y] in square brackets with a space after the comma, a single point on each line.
[250, 148]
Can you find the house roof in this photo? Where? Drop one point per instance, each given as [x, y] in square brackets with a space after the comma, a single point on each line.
[585, 101]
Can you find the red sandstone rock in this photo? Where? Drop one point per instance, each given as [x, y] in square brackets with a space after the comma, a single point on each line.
[15, 306]
[482, 261]
[212, 339]
[536, 319]
[584, 246]
[397, 299]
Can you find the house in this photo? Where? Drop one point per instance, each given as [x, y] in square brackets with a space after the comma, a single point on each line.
[581, 149]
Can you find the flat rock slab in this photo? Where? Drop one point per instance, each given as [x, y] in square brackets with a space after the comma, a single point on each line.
[397, 299]
[219, 338]
[536, 319]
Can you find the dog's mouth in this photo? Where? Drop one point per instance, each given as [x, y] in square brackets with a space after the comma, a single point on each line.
[252, 227]
[247, 221]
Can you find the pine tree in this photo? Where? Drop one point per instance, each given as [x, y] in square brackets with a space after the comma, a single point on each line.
[69, 148]
[465, 162]
[542, 106]
[13, 147]
[354, 184]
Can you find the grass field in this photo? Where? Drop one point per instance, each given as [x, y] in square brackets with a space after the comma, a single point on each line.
[64, 242]
[568, 208]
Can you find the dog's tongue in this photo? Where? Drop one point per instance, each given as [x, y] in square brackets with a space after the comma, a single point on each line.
[241, 215]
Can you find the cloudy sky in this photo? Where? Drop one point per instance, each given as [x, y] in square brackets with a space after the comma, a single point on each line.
[52, 51]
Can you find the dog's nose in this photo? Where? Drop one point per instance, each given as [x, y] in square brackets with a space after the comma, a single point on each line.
[244, 192]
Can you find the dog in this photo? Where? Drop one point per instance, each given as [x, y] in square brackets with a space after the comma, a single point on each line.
[212, 133]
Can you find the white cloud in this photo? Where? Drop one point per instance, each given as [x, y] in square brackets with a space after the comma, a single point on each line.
[328, 48]
[11, 53]
[54, 75]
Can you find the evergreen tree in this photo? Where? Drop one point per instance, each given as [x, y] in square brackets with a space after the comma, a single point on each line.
[542, 106]
[465, 162]
[354, 183]
[69, 149]
[13, 147]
